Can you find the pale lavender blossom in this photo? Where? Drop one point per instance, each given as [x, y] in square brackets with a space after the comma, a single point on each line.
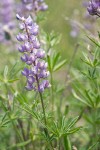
[34, 5]
[6, 19]
[74, 29]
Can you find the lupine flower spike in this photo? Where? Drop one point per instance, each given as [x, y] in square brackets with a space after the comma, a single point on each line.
[33, 55]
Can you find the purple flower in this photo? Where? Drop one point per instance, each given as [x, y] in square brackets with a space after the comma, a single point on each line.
[22, 48]
[24, 58]
[41, 88]
[43, 7]
[46, 84]
[7, 23]
[29, 21]
[94, 7]
[42, 65]
[6, 11]
[40, 54]
[21, 37]
[25, 72]
[29, 87]
[34, 5]
[32, 56]
[34, 70]
[34, 29]
[36, 44]
[27, 46]
[31, 79]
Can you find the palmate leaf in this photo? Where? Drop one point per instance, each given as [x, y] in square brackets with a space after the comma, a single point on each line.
[21, 98]
[94, 41]
[55, 39]
[71, 124]
[9, 75]
[52, 38]
[54, 62]
[87, 60]
[5, 122]
[80, 99]
[30, 111]
[74, 130]
[92, 63]
[55, 59]
[59, 65]
[65, 127]
[54, 129]
[89, 98]
[43, 136]
[86, 96]
[13, 80]
[14, 70]
[22, 144]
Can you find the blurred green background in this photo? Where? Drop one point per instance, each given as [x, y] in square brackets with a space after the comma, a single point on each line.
[58, 11]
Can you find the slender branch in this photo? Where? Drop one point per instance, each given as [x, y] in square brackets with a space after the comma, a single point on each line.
[52, 91]
[21, 127]
[42, 103]
[43, 108]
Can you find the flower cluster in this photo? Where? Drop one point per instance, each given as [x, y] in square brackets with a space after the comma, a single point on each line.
[36, 5]
[33, 55]
[94, 7]
[6, 18]
[89, 21]
[6, 11]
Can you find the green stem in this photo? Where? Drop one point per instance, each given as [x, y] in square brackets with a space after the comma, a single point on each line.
[52, 92]
[58, 144]
[44, 115]
[95, 126]
[42, 103]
